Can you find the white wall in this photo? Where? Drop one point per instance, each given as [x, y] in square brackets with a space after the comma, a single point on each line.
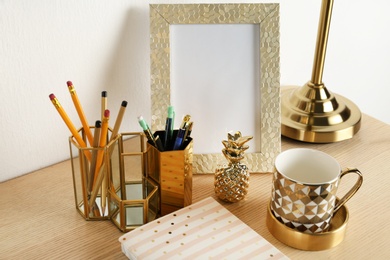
[104, 45]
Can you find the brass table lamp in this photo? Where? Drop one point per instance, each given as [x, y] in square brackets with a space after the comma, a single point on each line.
[311, 113]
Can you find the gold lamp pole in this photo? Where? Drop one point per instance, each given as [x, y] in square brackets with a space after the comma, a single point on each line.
[311, 113]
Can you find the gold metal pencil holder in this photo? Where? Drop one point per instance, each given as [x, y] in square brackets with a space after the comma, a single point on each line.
[172, 170]
[134, 198]
[84, 175]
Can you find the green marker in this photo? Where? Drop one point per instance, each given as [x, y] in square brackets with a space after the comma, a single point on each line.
[149, 134]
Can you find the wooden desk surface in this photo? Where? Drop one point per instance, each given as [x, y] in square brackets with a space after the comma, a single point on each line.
[39, 219]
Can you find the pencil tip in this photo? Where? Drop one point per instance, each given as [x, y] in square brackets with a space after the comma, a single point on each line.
[69, 83]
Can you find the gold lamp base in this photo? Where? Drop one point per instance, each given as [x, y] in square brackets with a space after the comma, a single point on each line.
[312, 114]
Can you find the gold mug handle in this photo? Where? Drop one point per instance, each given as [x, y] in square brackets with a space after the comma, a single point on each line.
[352, 191]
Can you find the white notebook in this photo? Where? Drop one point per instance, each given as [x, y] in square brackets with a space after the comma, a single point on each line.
[203, 230]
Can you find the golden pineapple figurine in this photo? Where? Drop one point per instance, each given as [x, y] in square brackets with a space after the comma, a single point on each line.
[232, 181]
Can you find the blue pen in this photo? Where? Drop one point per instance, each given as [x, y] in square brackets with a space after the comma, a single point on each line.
[169, 128]
[179, 139]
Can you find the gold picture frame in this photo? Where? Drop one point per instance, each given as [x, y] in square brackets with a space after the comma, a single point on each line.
[162, 16]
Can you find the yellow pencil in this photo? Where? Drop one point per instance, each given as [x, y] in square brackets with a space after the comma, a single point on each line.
[80, 112]
[96, 187]
[70, 125]
[102, 142]
[99, 171]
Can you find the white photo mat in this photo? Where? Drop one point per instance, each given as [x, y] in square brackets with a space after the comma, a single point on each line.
[264, 121]
[223, 95]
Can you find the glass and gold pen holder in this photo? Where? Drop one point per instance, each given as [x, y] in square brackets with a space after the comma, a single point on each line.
[91, 170]
[172, 170]
[134, 198]
[131, 198]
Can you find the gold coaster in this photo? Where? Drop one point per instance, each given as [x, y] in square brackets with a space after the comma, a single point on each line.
[306, 241]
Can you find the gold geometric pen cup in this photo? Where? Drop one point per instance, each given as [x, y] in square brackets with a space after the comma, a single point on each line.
[304, 189]
[172, 170]
[83, 165]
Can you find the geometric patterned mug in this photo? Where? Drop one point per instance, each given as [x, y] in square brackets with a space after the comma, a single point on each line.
[305, 183]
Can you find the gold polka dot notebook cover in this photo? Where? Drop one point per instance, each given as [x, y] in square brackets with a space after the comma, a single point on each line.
[203, 230]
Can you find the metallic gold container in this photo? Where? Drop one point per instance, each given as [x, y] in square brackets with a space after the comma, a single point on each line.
[83, 175]
[172, 170]
[310, 242]
[311, 113]
[134, 198]
[138, 206]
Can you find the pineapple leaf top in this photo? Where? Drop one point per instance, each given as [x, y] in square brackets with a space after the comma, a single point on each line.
[235, 146]
[237, 139]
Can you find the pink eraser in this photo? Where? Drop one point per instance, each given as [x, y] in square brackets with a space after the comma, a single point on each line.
[106, 113]
[69, 83]
[52, 96]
